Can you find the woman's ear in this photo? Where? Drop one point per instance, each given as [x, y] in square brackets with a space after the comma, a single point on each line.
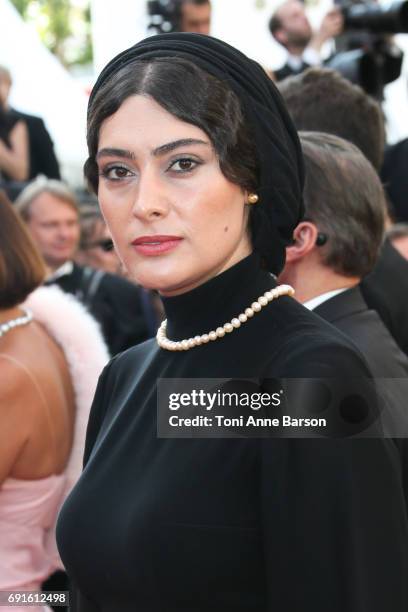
[304, 241]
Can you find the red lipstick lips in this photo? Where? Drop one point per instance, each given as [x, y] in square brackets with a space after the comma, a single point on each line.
[156, 245]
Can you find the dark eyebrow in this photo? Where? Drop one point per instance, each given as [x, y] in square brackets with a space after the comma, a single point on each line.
[170, 146]
[166, 148]
[112, 152]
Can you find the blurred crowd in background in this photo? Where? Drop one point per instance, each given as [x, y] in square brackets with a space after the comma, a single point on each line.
[354, 235]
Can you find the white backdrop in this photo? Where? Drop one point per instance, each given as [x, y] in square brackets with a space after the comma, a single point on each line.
[42, 86]
[244, 25]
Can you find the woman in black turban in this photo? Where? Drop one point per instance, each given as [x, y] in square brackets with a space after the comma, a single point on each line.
[199, 175]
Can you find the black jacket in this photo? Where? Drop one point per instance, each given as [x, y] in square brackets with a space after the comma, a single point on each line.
[389, 365]
[385, 290]
[42, 155]
[349, 312]
[163, 524]
[287, 71]
[116, 305]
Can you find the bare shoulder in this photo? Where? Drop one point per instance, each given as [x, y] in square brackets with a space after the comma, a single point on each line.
[17, 388]
[17, 399]
[19, 130]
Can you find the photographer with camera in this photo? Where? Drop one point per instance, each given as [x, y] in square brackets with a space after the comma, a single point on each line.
[291, 28]
[365, 51]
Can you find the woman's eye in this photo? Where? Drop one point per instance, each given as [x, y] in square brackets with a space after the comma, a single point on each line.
[116, 173]
[183, 165]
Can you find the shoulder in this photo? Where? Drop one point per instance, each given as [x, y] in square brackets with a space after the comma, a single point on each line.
[293, 322]
[125, 364]
[283, 72]
[124, 369]
[13, 376]
[19, 408]
[307, 346]
[119, 378]
[121, 296]
[78, 334]
[18, 391]
[12, 120]
[31, 120]
[54, 308]
[116, 283]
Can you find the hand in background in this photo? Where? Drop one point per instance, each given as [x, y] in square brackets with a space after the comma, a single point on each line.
[330, 27]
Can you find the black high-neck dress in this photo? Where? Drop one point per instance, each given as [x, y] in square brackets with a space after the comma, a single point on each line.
[204, 525]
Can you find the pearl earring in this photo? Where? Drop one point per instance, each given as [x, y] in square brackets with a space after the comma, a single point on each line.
[252, 198]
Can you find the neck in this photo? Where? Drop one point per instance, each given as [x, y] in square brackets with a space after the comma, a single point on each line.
[217, 301]
[234, 259]
[51, 267]
[309, 284]
[295, 50]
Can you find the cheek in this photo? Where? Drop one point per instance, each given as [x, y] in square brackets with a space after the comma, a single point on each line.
[109, 257]
[112, 211]
[218, 223]
[222, 208]
[46, 237]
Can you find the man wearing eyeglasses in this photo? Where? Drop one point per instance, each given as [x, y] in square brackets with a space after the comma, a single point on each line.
[52, 215]
[95, 245]
[97, 251]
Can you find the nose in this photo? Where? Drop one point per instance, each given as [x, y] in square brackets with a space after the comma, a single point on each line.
[64, 232]
[152, 199]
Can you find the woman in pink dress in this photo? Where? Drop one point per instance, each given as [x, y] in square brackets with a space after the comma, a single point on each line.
[50, 357]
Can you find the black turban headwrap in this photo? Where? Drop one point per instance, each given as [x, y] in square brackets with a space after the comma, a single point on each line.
[281, 172]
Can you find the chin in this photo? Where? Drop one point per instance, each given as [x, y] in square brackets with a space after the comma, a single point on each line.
[158, 282]
[164, 283]
[164, 286]
[159, 275]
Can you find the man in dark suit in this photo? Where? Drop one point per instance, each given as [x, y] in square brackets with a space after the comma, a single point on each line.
[333, 248]
[41, 148]
[320, 99]
[395, 178]
[52, 216]
[290, 27]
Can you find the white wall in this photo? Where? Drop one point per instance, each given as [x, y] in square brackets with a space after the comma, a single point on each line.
[244, 24]
[116, 25]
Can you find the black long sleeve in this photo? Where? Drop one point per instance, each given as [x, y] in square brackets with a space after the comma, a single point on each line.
[196, 525]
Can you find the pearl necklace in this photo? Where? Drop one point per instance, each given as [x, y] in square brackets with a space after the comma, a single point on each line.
[8, 325]
[227, 328]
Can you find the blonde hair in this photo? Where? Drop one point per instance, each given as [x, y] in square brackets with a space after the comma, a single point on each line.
[41, 185]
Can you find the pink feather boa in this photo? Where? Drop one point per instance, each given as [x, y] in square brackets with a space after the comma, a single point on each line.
[79, 336]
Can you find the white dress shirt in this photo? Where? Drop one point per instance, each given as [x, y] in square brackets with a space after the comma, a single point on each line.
[323, 297]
